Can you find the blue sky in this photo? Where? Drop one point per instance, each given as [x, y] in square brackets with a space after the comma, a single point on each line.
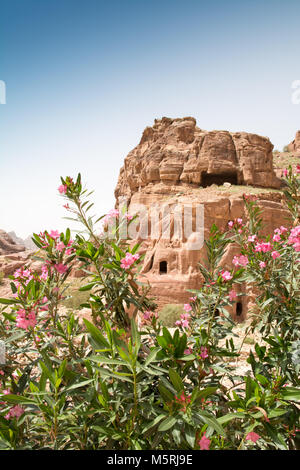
[85, 78]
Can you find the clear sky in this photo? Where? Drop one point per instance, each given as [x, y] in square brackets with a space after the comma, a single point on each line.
[84, 78]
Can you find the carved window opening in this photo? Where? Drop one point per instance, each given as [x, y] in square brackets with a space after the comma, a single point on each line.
[163, 267]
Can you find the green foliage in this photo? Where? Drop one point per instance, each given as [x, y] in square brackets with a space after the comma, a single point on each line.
[105, 384]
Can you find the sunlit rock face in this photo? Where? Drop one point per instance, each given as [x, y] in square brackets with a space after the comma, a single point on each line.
[179, 167]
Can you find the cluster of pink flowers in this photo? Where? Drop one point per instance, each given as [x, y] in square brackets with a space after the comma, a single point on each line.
[204, 442]
[252, 436]
[62, 189]
[183, 400]
[226, 275]
[25, 319]
[232, 295]
[148, 316]
[241, 260]
[25, 275]
[15, 412]
[237, 224]
[129, 260]
[294, 238]
[203, 352]
[61, 268]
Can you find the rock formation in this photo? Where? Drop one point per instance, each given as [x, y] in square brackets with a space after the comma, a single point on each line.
[176, 152]
[178, 165]
[294, 146]
[8, 245]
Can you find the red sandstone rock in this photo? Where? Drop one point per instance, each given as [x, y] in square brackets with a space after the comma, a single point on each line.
[7, 244]
[294, 146]
[173, 159]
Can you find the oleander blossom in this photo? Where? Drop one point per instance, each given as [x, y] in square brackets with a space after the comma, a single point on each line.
[129, 260]
[62, 189]
[241, 260]
[203, 352]
[204, 442]
[15, 412]
[25, 319]
[252, 436]
[226, 275]
[183, 400]
[232, 295]
[61, 268]
[187, 307]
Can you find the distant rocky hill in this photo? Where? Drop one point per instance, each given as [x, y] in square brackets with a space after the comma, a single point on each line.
[27, 242]
[8, 245]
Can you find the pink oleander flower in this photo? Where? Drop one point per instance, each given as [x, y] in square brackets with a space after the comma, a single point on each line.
[243, 260]
[252, 238]
[284, 172]
[230, 224]
[112, 214]
[60, 246]
[44, 274]
[1, 372]
[226, 275]
[66, 206]
[185, 316]
[275, 254]
[239, 221]
[232, 295]
[276, 237]
[62, 189]
[54, 234]
[262, 264]
[187, 307]
[128, 216]
[252, 436]
[61, 268]
[25, 320]
[263, 247]
[204, 442]
[15, 412]
[188, 351]
[203, 352]
[193, 299]
[235, 261]
[298, 168]
[129, 260]
[183, 400]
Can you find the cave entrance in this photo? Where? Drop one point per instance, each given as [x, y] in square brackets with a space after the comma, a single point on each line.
[208, 179]
[239, 309]
[163, 267]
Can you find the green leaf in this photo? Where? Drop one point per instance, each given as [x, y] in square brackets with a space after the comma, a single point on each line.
[176, 380]
[96, 335]
[8, 301]
[167, 424]
[291, 393]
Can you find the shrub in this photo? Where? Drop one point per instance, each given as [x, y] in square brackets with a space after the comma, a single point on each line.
[107, 385]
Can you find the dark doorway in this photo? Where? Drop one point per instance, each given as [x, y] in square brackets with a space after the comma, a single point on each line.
[211, 178]
[163, 267]
[239, 309]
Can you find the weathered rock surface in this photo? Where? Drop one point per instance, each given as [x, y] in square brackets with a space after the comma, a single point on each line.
[294, 146]
[177, 152]
[178, 165]
[8, 245]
